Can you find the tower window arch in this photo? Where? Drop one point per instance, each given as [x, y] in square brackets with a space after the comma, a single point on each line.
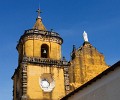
[44, 51]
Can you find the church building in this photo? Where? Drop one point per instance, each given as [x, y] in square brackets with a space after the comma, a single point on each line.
[105, 86]
[43, 74]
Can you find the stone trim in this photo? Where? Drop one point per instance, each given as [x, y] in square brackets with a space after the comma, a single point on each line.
[45, 61]
[24, 79]
[66, 79]
[46, 36]
[41, 38]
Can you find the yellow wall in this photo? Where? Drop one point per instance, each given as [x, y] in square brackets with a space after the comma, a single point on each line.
[33, 49]
[87, 64]
[34, 72]
[34, 90]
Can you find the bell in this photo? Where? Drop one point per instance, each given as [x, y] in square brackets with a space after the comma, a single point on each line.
[44, 51]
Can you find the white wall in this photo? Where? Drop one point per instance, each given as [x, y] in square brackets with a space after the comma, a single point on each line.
[106, 88]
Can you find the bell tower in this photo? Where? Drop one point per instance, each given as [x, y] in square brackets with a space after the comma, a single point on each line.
[41, 74]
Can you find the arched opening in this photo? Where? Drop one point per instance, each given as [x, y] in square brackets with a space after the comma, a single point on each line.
[44, 51]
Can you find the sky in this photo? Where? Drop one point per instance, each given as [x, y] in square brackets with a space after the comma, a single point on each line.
[99, 18]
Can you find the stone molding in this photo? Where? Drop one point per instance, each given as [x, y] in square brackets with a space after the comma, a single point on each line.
[24, 79]
[45, 61]
[46, 36]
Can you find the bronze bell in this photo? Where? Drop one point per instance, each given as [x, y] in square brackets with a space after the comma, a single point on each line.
[44, 51]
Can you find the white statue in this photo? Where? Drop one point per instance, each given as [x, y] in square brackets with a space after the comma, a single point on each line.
[85, 36]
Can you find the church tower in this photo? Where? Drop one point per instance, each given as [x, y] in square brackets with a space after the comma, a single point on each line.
[41, 74]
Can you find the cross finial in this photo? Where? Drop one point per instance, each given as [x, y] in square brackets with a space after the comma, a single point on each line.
[38, 11]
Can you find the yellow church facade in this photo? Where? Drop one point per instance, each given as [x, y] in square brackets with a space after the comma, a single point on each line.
[86, 63]
[42, 73]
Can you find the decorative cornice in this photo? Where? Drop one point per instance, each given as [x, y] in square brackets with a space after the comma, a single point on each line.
[45, 61]
[47, 36]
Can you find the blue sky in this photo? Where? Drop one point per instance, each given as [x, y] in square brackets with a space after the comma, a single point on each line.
[99, 18]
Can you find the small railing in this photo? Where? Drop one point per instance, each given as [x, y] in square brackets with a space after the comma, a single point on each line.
[41, 32]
